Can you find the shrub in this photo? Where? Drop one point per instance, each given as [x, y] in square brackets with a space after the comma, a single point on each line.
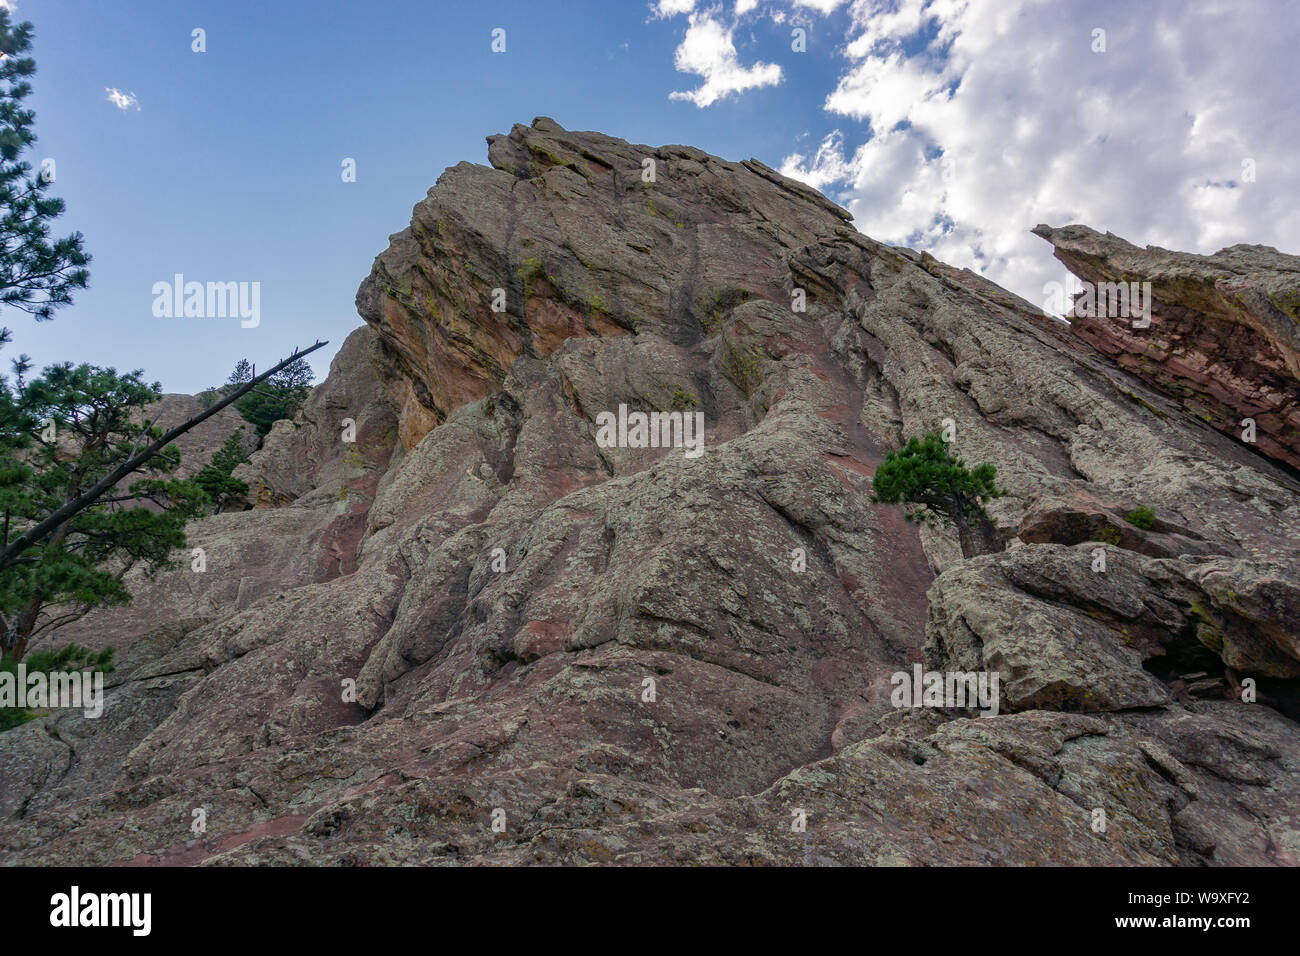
[1141, 517]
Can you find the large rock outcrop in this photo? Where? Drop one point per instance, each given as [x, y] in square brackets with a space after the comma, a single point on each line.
[632, 655]
[1224, 333]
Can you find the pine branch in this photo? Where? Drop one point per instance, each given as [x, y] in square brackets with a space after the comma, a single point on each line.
[38, 531]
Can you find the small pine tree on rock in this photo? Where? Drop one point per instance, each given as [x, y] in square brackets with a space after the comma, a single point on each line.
[926, 475]
[215, 477]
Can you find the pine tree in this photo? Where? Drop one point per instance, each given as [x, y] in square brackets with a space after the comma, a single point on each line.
[37, 275]
[242, 373]
[27, 533]
[296, 378]
[278, 397]
[926, 474]
[214, 478]
[59, 436]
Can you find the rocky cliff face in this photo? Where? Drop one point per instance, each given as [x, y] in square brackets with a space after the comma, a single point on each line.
[1224, 332]
[476, 613]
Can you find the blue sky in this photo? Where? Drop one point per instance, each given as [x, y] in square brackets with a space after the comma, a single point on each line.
[230, 169]
[949, 125]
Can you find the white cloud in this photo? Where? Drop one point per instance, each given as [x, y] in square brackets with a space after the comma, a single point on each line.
[821, 6]
[987, 119]
[708, 50]
[670, 8]
[123, 101]
[884, 90]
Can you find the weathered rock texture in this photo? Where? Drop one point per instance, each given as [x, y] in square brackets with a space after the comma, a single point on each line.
[1224, 336]
[505, 595]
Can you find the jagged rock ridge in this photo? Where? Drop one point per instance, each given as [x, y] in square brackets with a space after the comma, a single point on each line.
[1224, 333]
[524, 689]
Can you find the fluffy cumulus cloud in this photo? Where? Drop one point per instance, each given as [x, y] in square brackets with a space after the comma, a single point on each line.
[964, 123]
[662, 9]
[123, 101]
[708, 50]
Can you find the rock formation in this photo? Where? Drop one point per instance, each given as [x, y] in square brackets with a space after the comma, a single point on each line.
[475, 614]
[1224, 334]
